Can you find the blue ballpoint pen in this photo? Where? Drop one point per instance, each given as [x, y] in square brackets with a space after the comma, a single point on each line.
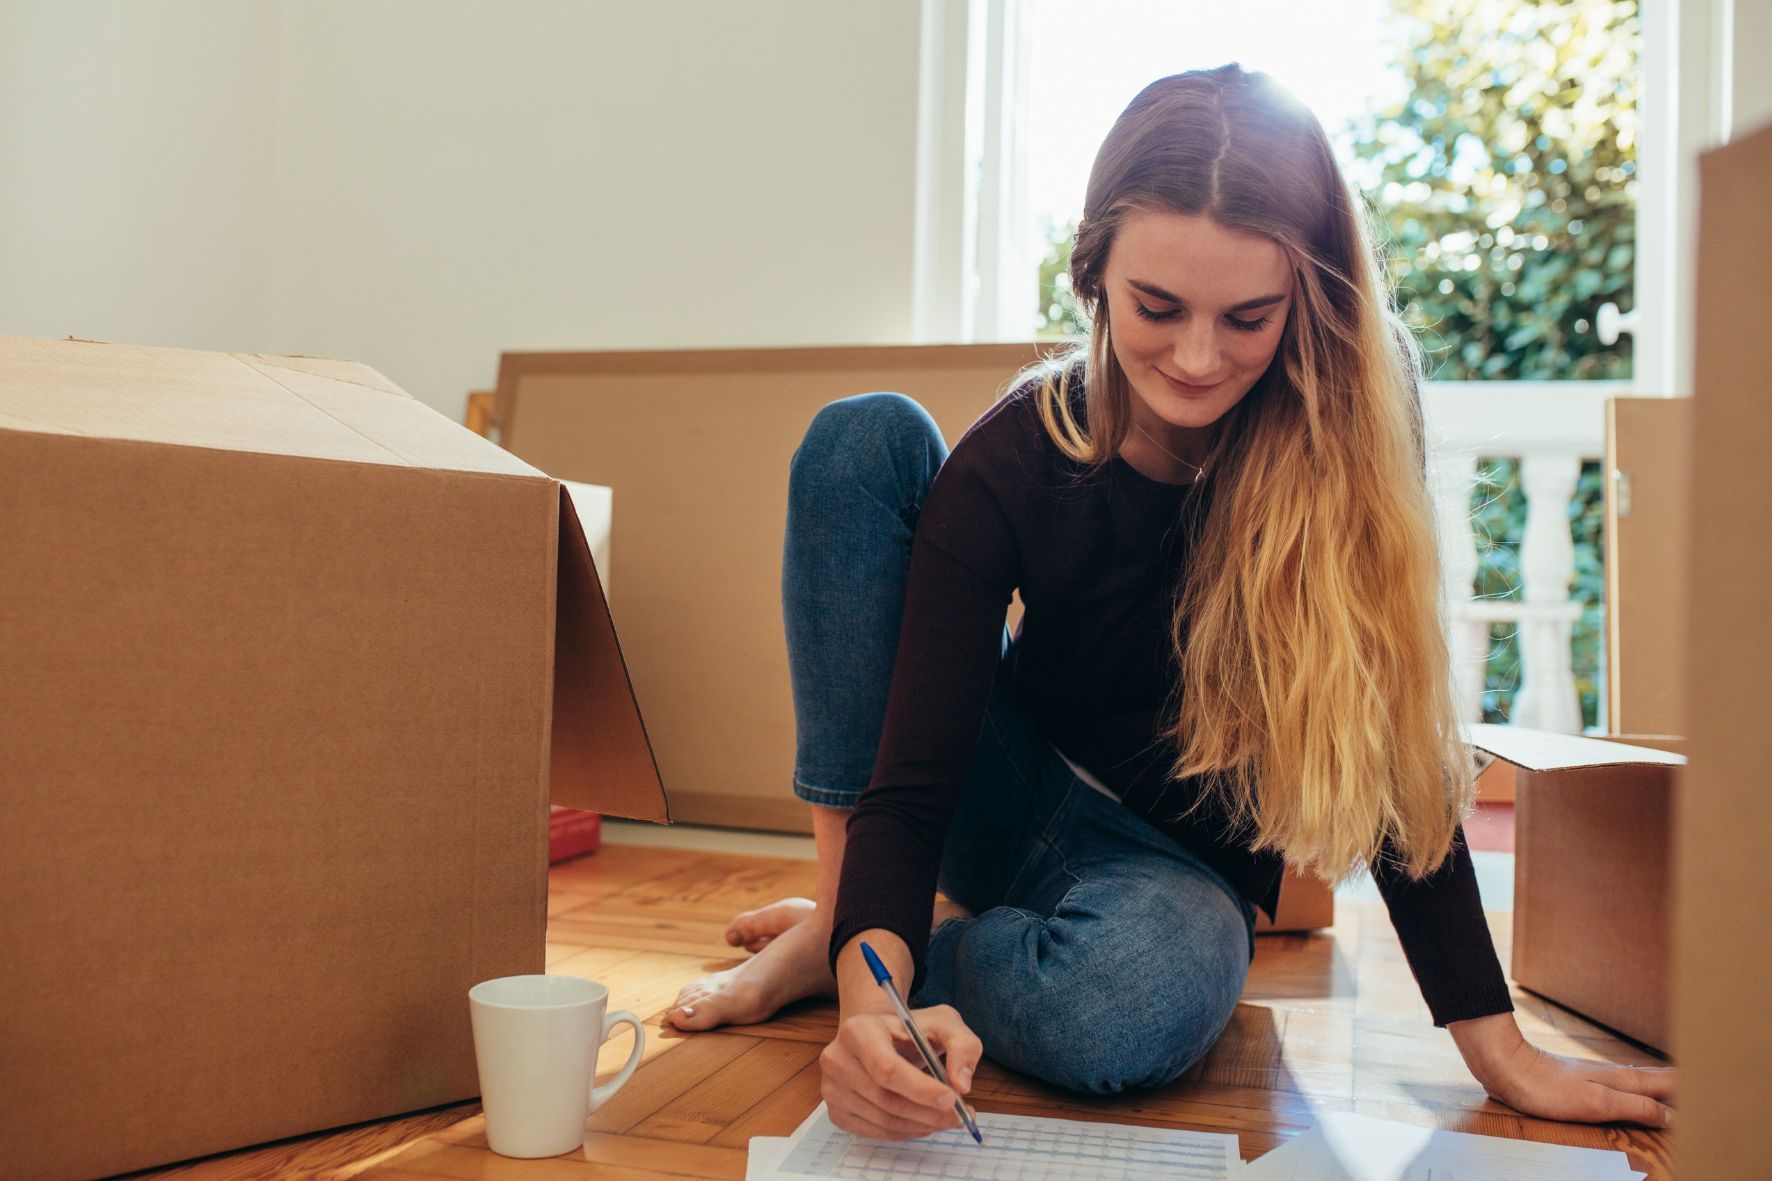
[884, 978]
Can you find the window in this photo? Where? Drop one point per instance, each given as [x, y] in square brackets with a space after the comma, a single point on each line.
[1497, 142]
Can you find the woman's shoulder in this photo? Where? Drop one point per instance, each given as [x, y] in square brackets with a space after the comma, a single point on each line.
[1011, 436]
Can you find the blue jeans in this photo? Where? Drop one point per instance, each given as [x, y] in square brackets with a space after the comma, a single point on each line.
[1101, 954]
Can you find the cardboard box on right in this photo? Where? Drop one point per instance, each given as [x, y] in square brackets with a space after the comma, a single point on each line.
[1722, 945]
[1591, 872]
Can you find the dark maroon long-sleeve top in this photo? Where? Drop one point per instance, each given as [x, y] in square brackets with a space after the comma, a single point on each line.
[1097, 554]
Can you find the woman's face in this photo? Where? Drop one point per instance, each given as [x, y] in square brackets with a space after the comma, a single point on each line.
[1196, 312]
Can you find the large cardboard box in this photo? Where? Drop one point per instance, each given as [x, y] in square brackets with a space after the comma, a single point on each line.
[1592, 870]
[293, 666]
[1724, 823]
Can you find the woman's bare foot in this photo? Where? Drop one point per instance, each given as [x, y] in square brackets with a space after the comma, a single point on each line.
[753, 929]
[792, 966]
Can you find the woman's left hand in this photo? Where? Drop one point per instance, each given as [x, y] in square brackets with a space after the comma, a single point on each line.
[1553, 1086]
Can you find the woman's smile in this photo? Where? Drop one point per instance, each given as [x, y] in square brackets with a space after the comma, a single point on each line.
[1188, 389]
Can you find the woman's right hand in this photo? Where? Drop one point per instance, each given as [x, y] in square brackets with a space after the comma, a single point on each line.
[874, 1081]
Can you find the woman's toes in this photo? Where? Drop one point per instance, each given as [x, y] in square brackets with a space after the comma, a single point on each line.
[726, 999]
[766, 922]
[792, 967]
[692, 1017]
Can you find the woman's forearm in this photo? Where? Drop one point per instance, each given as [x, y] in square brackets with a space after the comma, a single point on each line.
[857, 991]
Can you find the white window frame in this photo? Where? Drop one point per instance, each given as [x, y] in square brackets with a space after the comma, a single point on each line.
[973, 241]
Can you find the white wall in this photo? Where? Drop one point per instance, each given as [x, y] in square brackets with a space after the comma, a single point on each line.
[1751, 47]
[135, 170]
[456, 180]
[421, 185]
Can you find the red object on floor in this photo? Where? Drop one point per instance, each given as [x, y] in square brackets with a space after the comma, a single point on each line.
[1490, 828]
[571, 832]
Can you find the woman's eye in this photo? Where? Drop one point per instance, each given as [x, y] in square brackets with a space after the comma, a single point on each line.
[1238, 324]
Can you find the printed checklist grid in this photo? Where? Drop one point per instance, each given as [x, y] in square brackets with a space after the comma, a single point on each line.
[1016, 1148]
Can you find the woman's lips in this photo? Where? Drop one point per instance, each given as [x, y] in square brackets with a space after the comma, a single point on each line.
[1182, 387]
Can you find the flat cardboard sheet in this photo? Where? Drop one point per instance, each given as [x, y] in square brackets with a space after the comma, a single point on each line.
[1541, 750]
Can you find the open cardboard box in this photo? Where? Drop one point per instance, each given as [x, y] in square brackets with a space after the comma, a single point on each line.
[294, 667]
[1592, 856]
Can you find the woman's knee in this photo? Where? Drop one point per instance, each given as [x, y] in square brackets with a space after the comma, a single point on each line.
[878, 440]
[1129, 1002]
[1108, 1041]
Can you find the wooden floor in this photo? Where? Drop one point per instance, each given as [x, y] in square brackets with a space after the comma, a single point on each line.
[1329, 1022]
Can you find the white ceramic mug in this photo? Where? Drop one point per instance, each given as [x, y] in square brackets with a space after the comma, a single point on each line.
[536, 1040]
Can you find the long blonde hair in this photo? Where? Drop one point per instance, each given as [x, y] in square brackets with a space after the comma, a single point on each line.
[1315, 693]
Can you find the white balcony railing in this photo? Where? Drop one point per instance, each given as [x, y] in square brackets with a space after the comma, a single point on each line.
[1550, 427]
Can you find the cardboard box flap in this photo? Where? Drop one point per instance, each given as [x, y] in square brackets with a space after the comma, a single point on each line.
[602, 758]
[302, 406]
[1539, 750]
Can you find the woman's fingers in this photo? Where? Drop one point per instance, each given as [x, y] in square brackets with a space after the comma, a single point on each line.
[1635, 1093]
[875, 1083]
[853, 1116]
[1657, 1082]
[1632, 1107]
[1559, 1087]
[892, 1057]
[959, 1046]
[901, 1088]
[885, 1105]
[865, 1077]
[1591, 1101]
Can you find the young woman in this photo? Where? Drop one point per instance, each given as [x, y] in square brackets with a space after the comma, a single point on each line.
[1231, 656]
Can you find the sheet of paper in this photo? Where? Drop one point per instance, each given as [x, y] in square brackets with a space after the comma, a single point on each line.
[1277, 1164]
[765, 1153]
[1026, 1148]
[1347, 1147]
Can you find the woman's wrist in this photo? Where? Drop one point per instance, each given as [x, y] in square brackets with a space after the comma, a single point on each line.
[857, 990]
[1492, 1046]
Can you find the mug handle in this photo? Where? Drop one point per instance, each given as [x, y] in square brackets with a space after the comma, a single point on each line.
[600, 1095]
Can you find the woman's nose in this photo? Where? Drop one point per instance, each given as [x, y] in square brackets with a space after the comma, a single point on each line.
[1195, 355]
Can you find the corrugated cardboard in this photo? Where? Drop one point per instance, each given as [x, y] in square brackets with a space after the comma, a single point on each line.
[290, 663]
[1592, 853]
[696, 446]
[1307, 903]
[1649, 458]
[1724, 945]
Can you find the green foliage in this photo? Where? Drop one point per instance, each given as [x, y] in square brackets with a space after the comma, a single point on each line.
[1503, 185]
[1058, 315]
[1505, 181]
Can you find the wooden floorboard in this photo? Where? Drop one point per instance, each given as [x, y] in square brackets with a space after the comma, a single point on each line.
[1329, 1022]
